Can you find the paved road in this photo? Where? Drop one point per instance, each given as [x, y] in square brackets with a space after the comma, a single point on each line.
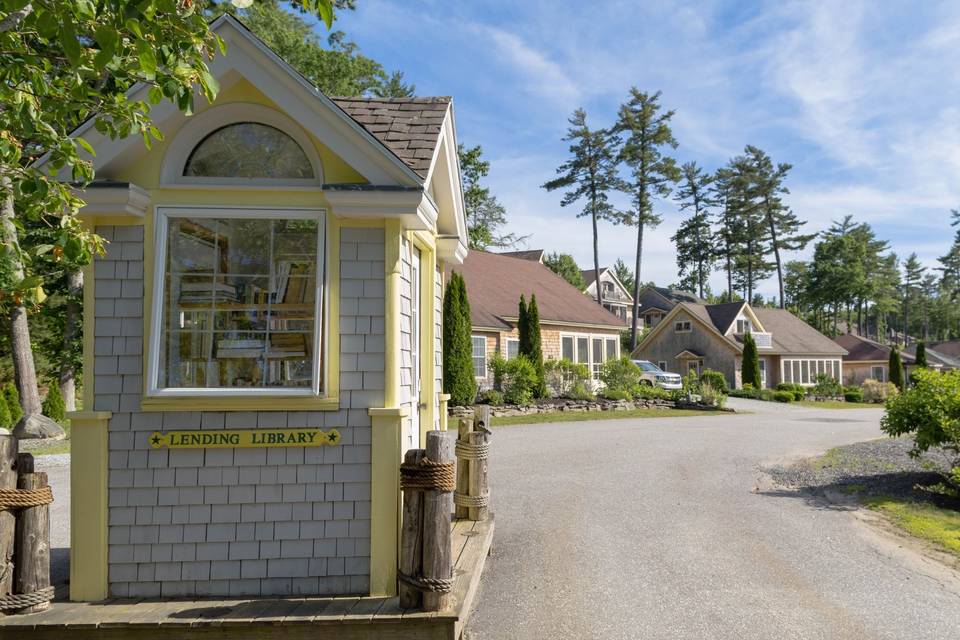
[657, 529]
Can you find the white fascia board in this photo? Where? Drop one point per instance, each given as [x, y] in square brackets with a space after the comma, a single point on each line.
[123, 199]
[414, 208]
[451, 249]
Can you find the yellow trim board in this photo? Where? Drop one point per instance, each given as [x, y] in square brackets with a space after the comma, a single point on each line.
[88, 505]
[428, 398]
[391, 365]
[385, 457]
[240, 403]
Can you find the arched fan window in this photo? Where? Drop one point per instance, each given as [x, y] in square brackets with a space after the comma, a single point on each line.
[249, 150]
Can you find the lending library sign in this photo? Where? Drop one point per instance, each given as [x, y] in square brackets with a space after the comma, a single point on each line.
[245, 438]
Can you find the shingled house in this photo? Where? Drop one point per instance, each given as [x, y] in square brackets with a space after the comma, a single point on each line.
[656, 302]
[572, 325]
[273, 265]
[616, 299]
[696, 336]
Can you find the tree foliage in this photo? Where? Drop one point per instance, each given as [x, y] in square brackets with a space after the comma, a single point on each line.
[53, 406]
[895, 365]
[624, 274]
[534, 347]
[458, 378]
[750, 364]
[566, 267]
[920, 360]
[486, 217]
[696, 254]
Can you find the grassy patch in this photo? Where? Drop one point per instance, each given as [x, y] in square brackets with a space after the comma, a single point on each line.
[923, 520]
[838, 404]
[581, 416]
[60, 446]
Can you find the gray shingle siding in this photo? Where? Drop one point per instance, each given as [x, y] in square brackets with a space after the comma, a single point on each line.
[237, 522]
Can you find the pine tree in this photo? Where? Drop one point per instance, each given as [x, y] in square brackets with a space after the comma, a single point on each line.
[12, 396]
[950, 275]
[591, 171]
[921, 357]
[652, 173]
[485, 215]
[913, 273]
[458, 378]
[750, 364]
[393, 86]
[53, 405]
[782, 224]
[896, 368]
[523, 327]
[566, 267]
[695, 251]
[535, 354]
[624, 274]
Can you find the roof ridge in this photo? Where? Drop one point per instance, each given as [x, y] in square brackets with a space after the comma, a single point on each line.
[397, 100]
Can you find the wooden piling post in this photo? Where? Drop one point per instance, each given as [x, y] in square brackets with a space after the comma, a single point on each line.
[411, 538]
[8, 480]
[463, 468]
[437, 514]
[32, 571]
[477, 485]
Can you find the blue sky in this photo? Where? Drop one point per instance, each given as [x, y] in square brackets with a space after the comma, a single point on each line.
[863, 98]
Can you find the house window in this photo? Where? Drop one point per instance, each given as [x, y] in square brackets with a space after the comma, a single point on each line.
[513, 348]
[566, 348]
[805, 371]
[878, 373]
[693, 366]
[597, 356]
[583, 350]
[248, 150]
[479, 356]
[591, 350]
[239, 302]
[743, 326]
[612, 348]
[663, 365]
[763, 373]
[682, 326]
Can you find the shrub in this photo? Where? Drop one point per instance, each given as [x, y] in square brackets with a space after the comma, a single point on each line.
[6, 422]
[750, 366]
[747, 391]
[711, 396]
[53, 406]
[650, 392]
[562, 376]
[931, 411]
[827, 387]
[783, 396]
[580, 392]
[853, 394]
[896, 368]
[621, 375]
[716, 379]
[535, 354]
[497, 362]
[798, 390]
[12, 396]
[616, 395]
[878, 392]
[458, 379]
[519, 380]
[491, 397]
[691, 383]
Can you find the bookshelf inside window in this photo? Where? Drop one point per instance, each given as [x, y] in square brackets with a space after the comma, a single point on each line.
[241, 306]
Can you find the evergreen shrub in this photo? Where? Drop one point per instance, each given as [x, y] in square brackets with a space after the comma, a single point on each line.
[53, 406]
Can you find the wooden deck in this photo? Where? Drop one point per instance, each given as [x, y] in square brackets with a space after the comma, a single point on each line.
[343, 618]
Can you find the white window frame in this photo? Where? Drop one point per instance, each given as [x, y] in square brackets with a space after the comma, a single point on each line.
[473, 358]
[744, 325]
[590, 337]
[763, 372]
[810, 366]
[682, 326]
[662, 365]
[507, 344]
[321, 310]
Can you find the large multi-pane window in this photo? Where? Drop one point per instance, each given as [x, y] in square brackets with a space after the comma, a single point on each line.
[591, 350]
[805, 371]
[239, 302]
[513, 348]
[479, 356]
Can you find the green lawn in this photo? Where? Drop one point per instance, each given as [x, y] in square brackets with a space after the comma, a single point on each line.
[580, 416]
[923, 520]
[838, 404]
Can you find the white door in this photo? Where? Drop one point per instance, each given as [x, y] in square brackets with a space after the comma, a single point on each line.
[414, 434]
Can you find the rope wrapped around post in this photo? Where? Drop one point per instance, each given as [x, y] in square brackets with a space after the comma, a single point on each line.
[472, 497]
[428, 475]
[17, 601]
[11, 499]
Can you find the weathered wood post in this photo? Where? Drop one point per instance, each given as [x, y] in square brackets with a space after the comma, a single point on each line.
[8, 526]
[437, 514]
[461, 511]
[32, 547]
[411, 537]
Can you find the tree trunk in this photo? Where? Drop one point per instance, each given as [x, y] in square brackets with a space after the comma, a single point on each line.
[776, 251]
[636, 282]
[25, 375]
[596, 256]
[71, 331]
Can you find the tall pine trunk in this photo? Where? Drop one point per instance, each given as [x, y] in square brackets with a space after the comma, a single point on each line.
[776, 251]
[24, 372]
[636, 285]
[71, 331]
[596, 248]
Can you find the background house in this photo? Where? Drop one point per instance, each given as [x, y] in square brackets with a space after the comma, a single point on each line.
[616, 299]
[571, 325]
[696, 336]
[868, 359]
[657, 302]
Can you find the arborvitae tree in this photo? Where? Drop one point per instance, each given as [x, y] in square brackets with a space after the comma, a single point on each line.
[624, 274]
[750, 364]
[535, 354]
[6, 422]
[523, 327]
[12, 396]
[652, 173]
[694, 239]
[783, 225]
[53, 406]
[591, 171]
[458, 378]
[896, 368]
[921, 357]
[566, 267]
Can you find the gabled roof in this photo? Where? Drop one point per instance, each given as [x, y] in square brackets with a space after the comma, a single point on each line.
[860, 349]
[664, 298]
[409, 127]
[723, 315]
[536, 255]
[935, 357]
[951, 348]
[495, 283]
[590, 276]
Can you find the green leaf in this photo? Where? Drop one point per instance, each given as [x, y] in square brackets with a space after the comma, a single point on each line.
[134, 27]
[210, 84]
[86, 146]
[71, 47]
[106, 37]
[155, 95]
[148, 60]
[41, 249]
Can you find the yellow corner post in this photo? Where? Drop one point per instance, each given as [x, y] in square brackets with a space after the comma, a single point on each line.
[88, 505]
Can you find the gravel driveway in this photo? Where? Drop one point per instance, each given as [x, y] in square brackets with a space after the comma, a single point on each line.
[668, 528]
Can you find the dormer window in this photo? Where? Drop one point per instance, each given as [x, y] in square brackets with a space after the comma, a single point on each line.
[249, 150]
[744, 326]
